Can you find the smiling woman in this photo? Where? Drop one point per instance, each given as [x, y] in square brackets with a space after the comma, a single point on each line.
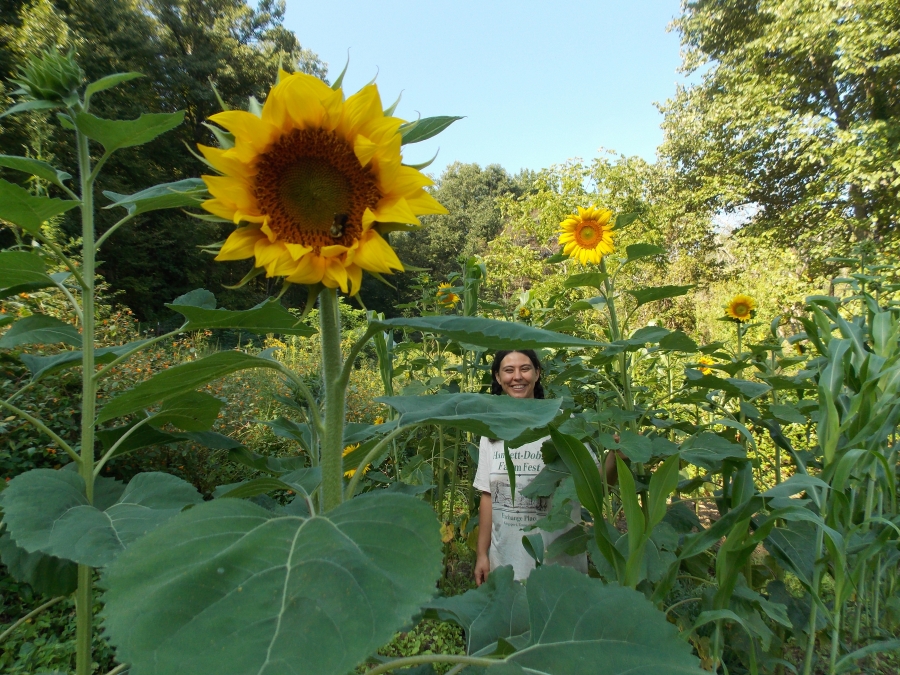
[502, 515]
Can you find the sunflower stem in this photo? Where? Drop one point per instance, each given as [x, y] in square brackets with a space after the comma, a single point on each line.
[335, 397]
[84, 605]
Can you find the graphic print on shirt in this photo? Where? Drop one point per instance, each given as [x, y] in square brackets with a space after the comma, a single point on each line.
[523, 511]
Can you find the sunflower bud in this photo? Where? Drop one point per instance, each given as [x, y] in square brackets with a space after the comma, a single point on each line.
[51, 77]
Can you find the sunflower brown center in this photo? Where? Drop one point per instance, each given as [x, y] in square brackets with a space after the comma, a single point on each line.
[741, 309]
[313, 189]
[586, 235]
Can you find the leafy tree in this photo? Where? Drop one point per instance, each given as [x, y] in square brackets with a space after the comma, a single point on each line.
[795, 120]
[471, 195]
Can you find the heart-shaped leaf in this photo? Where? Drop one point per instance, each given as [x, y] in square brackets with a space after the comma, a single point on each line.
[19, 206]
[21, 272]
[267, 317]
[40, 329]
[182, 193]
[486, 333]
[496, 609]
[44, 573]
[582, 626]
[484, 415]
[36, 168]
[179, 380]
[271, 593]
[115, 134]
[48, 511]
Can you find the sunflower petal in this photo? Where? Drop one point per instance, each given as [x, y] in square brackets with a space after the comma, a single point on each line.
[376, 255]
[363, 106]
[310, 270]
[423, 203]
[354, 274]
[240, 244]
[247, 128]
[395, 211]
[229, 190]
[364, 149]
[335, 274]
[227, 163]
[217, 208]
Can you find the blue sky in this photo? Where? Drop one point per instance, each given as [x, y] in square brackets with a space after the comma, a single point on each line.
[539, 81]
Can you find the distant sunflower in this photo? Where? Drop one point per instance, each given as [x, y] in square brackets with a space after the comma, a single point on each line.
[524, 313]
[308, 181]
[706, 361]
[741, 308]
[347, 451]
[445, 296]
[587, 235]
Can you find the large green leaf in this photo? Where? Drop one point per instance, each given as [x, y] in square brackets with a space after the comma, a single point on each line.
[486, 333]
[115, 134]
[500, 417]
[48, 511]
[147, 436]
[496, 609]
[593, 279]
[20, 207]
[40, 329]
[198, 307]
[582, 626]
[270, 593]
[179, 380]
[21, 272]
[425, 128]
[794, 546]
[36, 168]
[637, 251]
[191, 411]
[45, 365]
[678, 341]
[645, 295]
[709, 449]
[44, 573]
[108, 82]
[182, 193]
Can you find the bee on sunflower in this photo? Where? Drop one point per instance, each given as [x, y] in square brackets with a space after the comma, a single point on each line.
[312, 183]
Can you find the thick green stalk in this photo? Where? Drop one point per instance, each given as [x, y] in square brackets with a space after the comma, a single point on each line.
[84, 604]
[335, 396]
[813, 612]
[440, 473]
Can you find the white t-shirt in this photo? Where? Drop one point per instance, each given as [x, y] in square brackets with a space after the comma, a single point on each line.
[509, 518]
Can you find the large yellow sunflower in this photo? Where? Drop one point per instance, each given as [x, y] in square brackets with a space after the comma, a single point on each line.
[587, 235]
[741, 308]
[308, 181]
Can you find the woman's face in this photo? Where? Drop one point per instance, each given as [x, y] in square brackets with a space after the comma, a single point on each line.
[517, 375]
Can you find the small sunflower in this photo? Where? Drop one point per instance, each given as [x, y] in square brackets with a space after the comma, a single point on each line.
[378, 420]
[706, 361]
[588, 235]
[741, 308]
[524, 313]
[445, 296]
[309, 180]
[347, 451]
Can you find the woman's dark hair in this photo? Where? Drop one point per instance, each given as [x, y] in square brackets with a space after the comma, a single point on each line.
[496, 389]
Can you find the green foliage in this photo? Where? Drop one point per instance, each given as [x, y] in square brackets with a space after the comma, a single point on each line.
[333, 565]
[795, 118]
